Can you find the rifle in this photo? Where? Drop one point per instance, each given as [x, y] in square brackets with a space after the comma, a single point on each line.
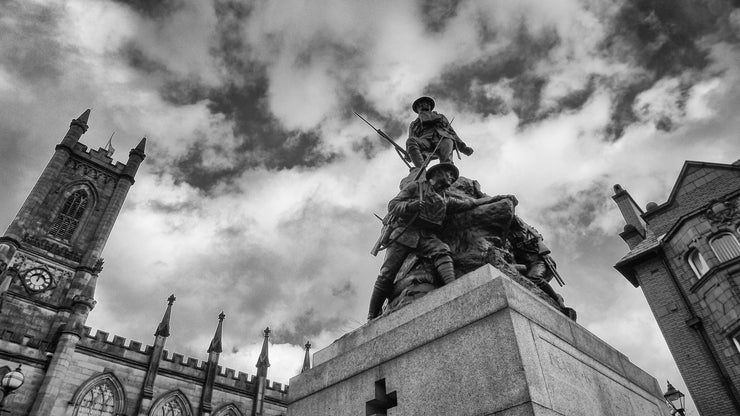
[551, 266]
[402, 153]
[385, 233]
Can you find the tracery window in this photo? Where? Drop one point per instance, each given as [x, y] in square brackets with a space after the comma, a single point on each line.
[100, 396]
[171, 404]
[68, 219]
[171, 408]
[697, 263]
[228, 410]
[725, 246]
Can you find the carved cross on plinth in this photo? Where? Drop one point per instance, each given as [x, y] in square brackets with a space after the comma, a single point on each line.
[382, 401]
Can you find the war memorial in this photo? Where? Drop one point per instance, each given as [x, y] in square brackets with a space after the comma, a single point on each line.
[463, 319]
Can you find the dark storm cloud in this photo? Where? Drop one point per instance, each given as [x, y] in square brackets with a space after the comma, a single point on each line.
[436, 13]
[154, 9]
[516, 63]
[192, 169]
[663, 38]
[139, 60]
[183, 91]
[230, 49]
[576, 212]
[169, 208]
[372, 144]
[33, 51]
[259, 131]
[306, 326]
[660, 39]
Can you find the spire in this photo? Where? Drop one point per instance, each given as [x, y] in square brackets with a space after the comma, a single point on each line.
[264, 361]
[77, 128]
[135, 157]
[84, 116]
[307, 358]
[109, 146]
[141, 146]
[216, 341]
[163, 329]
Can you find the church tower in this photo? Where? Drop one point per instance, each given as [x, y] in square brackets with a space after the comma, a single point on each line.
[50, 255]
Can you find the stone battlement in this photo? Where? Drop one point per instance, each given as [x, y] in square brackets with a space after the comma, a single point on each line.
[102, 343]
[99, 156]
[22, 339]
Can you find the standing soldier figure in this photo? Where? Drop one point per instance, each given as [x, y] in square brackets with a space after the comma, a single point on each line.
[429, 131]
[420, 209]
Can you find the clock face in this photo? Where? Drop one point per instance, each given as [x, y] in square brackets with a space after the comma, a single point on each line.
[37, 279]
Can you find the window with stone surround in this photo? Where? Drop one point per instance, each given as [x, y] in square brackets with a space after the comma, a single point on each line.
[697, 263]
[725, 247]
[228, 410]
[68, 219]
[100, 396]
[171, 404]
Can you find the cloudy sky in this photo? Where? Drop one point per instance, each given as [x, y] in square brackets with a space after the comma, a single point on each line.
[258, 191]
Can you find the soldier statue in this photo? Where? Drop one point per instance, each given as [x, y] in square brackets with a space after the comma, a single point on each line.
[429, 133]
[530, 251]
[418, 212]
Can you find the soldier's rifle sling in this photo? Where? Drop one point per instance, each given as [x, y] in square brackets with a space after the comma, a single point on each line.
[402, 153]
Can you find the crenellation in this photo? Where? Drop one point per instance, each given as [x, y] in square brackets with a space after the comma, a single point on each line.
[80, 147]
[119, 341]
[86, 332]
[101, 335]
[134, 346]
[98, 157]
[101, 154]
[178, 358]
[192, 362]
[230, 373]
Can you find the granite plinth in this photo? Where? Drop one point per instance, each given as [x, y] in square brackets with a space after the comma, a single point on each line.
[482, 345]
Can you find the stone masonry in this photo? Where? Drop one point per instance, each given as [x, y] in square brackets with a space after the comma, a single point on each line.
[697, 313]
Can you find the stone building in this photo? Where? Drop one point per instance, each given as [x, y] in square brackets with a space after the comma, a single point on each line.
[50, 258]
[685, 255]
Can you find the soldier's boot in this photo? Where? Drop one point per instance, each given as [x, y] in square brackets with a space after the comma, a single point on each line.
[444, 150]
[445, 269]
[414, 153]
[378, 297]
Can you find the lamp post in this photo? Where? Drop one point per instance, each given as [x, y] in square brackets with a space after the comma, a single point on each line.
[673, 397]
[10, 383]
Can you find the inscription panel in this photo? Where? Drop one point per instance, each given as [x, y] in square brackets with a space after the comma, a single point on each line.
[579, 386]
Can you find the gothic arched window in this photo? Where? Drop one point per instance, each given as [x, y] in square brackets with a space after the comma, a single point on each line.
[68, 219]
[725, 247]
[697, 263]
[171, 404]
[100, 396]
[228, 410]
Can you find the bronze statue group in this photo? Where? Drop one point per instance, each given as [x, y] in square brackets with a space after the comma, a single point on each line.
[417, 259]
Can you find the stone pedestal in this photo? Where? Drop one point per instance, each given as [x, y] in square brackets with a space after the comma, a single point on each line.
[482, 345]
